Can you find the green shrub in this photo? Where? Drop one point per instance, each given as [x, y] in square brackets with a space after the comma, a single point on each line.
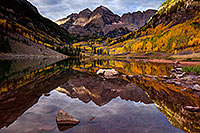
[195, 69]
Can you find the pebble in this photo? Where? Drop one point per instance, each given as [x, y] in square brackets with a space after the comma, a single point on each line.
[179, 69]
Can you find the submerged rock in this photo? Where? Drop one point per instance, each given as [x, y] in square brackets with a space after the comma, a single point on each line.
[64, 118]
[64, 127]
[192, 109]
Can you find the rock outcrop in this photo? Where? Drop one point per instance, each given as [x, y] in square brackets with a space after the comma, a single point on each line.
[137, 18]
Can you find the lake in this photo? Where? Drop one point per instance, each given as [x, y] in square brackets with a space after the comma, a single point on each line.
[33, 91]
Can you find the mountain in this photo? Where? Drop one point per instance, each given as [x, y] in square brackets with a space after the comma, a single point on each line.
[101, 21]
[137, 18]
[174, 29]
[25, 32]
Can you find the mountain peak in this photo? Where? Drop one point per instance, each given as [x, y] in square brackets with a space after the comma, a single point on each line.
[103, 8]
[86, 10]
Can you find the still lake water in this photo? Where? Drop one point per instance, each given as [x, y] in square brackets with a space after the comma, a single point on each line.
[33, 91]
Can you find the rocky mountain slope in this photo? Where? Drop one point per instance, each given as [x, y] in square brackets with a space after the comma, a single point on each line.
[101, 21]
[174, 29]
[25, 32]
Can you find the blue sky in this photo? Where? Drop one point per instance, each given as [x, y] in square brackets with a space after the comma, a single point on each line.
[56, 9]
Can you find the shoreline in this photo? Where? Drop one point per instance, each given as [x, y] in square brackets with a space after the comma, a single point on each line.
[24, 56]
[9, 56]
[180, 62]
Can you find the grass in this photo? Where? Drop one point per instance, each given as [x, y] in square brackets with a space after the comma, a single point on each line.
[195, 69]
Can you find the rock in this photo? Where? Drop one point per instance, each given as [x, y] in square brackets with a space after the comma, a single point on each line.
[64, 127]
[188, 77]
[179, 69]
[192, 73]
[179, 72]
[184, 89]
[47, 94]
[178, 83]
[173, 70]
[180, 75]
[151, 76]
[169, 81]
[165, 77]
[173, 76]
[91, 119]
[101, 72]
[192, 109]
[177, 63]
[108, 73]
[63, 118]
[196, 87]
[123, 75]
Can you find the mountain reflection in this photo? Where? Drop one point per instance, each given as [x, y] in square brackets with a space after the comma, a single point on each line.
[22, 87]
[88, 88]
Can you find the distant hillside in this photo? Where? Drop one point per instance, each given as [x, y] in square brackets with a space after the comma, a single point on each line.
[25, 32]
[103, 22]
[174, 29]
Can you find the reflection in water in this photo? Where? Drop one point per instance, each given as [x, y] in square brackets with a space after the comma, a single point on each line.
[171, 100]
[23, 86]
[4, 69]
[94, 88]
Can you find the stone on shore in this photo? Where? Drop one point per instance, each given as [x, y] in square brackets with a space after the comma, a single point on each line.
[196, 87]
[192, 109]
[108, 73]
[179, 69]
[65, 119]
[177, 63]
[47, 94]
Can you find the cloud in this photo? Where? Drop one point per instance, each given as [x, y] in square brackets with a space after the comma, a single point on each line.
[56, 9]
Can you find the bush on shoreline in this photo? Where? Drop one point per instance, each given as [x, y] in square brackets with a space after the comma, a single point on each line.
[195, 69]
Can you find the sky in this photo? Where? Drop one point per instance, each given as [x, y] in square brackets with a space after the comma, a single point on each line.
[57, 9]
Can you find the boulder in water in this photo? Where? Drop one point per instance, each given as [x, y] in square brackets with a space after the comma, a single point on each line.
[108, 73]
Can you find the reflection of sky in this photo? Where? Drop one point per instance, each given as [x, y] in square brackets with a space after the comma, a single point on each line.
[56, 9]
[117, 115]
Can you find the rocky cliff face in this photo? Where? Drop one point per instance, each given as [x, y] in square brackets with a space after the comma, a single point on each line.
[103, 21]
[137, 18]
